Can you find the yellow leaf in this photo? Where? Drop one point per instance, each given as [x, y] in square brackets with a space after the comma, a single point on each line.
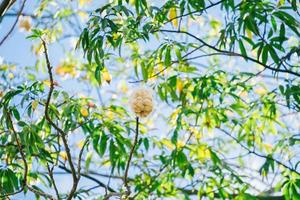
[115, 36]
[110, 114]
[261, 91]
[195, 132]
[83, 15]
[83, 2]
[34, 104]
[268, 147]
[123, 87]
[203, 153]
[11, 75]
[168, 144]
[106, 76]
[37, 48]
[179, 85]
[180, 144]
[66, 68]
[47, 82]
[132, 2]
[63, 155]
[280, 3]
[249, 33]
[84, 112]
[172, 16]
[80, 144]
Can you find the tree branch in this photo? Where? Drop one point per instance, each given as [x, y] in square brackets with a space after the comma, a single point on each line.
[231, 196]
[196, 11]
[50, 172]
[60, 131]
[5, 5]
[90, 178]
[14, 25]
[23, 156]
[130, 155]
[257, 154]
[230, 53]
[173, 62]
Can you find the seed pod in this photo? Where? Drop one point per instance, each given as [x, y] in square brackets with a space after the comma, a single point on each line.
[141, 102]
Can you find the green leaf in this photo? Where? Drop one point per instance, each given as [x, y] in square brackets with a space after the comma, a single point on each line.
[144, 71]
[242, 48]
[103, 144]
[16, 113]
[182, 160]
[168, 60]
[146, 143]
[178, 53]
[36, 33]
[274, 55]
[265, 54]
[98, 73]
[88, 160]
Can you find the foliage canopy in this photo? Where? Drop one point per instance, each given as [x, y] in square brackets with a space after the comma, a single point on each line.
[225, 77]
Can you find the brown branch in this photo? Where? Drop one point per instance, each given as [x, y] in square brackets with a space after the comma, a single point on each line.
[231, 196]
[173, 62]
[60, 131]
[5, 5]
[80, 158]
[259, 155]
[130, 156]
[40, 193]
[14, 25]
[50, 172]
[23, 157]
[230, 53]
[89, 177]
[194, 12]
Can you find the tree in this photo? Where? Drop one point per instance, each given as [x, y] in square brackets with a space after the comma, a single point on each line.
[225, 78]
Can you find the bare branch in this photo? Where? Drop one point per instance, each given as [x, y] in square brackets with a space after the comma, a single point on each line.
[89, 177]
[230, 53]
[14, 25]
[194, 12]
[60, 131]
[50, 172]
[130, 156]
[5, 5]
[259, 155]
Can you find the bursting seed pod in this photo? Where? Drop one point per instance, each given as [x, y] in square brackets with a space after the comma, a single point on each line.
[141, 102]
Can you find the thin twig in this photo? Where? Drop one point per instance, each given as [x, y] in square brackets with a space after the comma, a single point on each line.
[80, 158]
[88, 177]
[173, 62]
[50, 172]
[196, 11]
[61, 132]
[130, 155]
[259, 155]
[231, 53]
[14, 25]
